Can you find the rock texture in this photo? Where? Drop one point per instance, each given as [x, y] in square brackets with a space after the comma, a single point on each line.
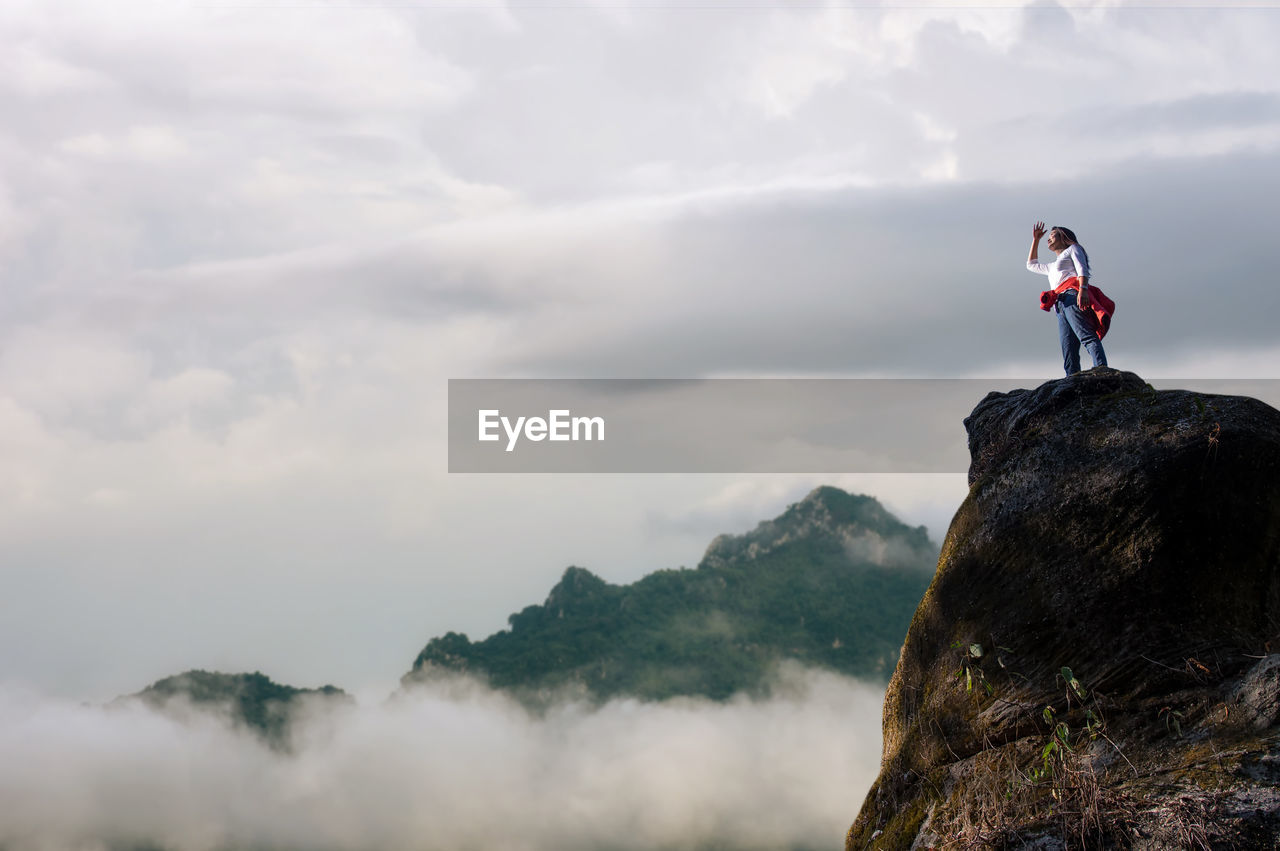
[1092, 665]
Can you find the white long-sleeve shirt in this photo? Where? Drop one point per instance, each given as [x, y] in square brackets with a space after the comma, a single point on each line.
[1072, 262]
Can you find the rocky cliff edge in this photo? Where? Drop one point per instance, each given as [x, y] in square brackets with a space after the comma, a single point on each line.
[1097, 661]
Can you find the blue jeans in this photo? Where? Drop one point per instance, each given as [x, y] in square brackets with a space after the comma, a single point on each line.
[1076, 327]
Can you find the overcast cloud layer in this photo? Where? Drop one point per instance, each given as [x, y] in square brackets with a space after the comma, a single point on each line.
[242, 248]
[448, 767]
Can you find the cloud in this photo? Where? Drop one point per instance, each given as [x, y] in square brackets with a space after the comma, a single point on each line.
[851, 281]
[33, 72]
[871, 547]
[153, 145]
[56, 371]
[448, 766]
[733, 508]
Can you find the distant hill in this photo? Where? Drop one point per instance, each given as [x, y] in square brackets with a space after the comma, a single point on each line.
[252, 700]
[832, 582]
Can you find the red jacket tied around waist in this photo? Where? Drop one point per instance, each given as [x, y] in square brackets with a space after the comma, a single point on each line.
[1100, 307]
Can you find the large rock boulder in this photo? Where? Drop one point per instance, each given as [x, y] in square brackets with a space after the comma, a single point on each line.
[1091, 666]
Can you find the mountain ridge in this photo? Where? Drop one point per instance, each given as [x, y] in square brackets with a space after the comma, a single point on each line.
[830, 582]
[252, 701]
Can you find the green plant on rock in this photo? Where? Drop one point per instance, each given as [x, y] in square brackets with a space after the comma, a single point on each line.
[1056, 747]
[971, 668]
[1059, 781]
[1061, 741]
[1073, 686]
[1172, 720]
[1064, 767]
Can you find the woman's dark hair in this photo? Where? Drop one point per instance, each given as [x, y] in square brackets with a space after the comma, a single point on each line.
[1070, 236]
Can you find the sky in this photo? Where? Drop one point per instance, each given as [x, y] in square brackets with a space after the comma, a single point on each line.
[243, 247]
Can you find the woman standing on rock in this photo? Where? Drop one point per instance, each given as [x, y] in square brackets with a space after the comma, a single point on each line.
[1083, 312]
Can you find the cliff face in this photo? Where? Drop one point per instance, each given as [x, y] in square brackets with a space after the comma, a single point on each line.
[1091, 666]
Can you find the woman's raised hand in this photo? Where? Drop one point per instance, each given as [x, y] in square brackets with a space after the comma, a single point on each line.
[1038, 230]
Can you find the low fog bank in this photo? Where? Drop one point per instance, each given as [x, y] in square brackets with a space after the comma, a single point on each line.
[450, 765]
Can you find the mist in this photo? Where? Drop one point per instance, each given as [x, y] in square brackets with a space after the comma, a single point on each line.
[449, 765]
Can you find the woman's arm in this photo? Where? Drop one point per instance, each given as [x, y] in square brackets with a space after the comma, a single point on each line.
[1033, 258]
[1082, 273]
